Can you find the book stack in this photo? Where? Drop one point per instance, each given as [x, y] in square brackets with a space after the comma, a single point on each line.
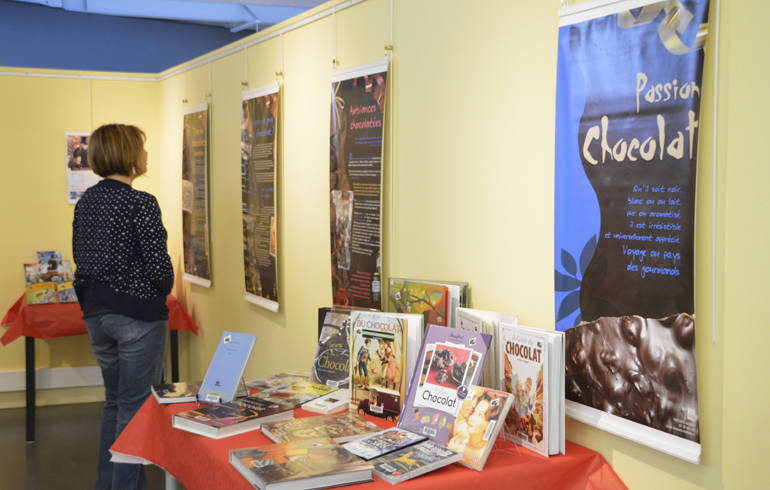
[49, 280]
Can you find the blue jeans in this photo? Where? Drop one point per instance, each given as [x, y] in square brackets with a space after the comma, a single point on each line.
[131, 354]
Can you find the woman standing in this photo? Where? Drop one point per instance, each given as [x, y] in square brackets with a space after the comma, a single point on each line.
[123, 276]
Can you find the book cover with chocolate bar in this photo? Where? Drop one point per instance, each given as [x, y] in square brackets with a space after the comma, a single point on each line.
[305, 463]
[378, 363]
[413, 461]
[625, 186]
[340, 427]
[450, 361]
[331, 365]
[525, 375]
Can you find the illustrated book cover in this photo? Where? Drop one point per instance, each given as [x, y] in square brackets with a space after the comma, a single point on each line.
[424, 298]
[478, 424]
[179, 392]
[41, 293]
[297, 393]
[378, 362]
[450, 362]
[381, 443]
[225, 372]
[533, 373]
[65, 292]
[413, 461]
[340, 427]
[228, 419]
[331, 365]
[300, 464]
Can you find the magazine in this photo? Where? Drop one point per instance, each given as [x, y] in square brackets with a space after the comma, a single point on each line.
[300, 464]
[413, 461]
[381, 443]
[533, 372]
[340, 427]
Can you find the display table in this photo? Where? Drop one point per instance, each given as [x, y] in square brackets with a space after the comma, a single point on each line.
[202, 463]
[62, 320]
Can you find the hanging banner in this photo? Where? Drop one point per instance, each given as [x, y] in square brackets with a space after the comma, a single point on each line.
[627, 111]
[195, 215]
[259, 134]
[357, 126]
[79, 174]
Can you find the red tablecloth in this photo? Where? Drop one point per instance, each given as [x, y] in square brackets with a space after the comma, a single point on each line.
[202, 463]
[62, 320]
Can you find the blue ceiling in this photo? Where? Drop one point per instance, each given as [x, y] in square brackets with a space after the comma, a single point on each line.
[62, 36]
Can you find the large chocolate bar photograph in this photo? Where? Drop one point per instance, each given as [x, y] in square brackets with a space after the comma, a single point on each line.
[641, 369]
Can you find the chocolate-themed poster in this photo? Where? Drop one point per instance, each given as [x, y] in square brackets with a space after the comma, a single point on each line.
[629, 88]
[195, 218]
[259, 134]
[355, 197]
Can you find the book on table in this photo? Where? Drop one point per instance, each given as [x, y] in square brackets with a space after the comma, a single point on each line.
[299, 464]
[280, 380]
[383, 347]
[533, 372]
[225, 372]
[383, 442]
[413, 461]
[296, 394]
[436, 300]
[228, 419]
[331, 365]
[488, 322]
[445, 404]
[340, 427]
[335, 401]
[179, 392]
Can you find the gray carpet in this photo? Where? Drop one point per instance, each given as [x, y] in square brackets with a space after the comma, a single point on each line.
[63, 457]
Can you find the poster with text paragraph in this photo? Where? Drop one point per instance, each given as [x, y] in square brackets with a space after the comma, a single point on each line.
[627, 122]
[259, 134]
[195, 211]
[355, 152]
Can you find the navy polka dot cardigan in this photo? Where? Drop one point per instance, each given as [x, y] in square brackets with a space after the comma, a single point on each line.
[119, 247]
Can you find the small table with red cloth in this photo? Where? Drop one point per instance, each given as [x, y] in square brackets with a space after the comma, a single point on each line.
[65, 319]
[203, 463]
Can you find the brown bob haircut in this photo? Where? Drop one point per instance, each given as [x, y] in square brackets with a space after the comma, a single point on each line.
[115, 149]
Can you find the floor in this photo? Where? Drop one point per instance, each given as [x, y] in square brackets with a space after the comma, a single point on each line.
[63, 457]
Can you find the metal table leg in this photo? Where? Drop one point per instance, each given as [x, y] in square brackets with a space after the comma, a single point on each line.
[29, 347]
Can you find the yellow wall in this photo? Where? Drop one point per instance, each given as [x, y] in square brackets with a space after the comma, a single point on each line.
[472, 184]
